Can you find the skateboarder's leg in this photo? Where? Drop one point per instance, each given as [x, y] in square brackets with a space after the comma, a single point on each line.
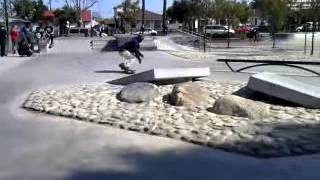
[129, 62]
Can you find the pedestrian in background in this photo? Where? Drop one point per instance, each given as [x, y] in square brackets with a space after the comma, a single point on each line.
[14, 35]
[3, 39]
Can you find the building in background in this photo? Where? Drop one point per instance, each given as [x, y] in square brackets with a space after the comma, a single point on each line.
[301, 4]
[86, 18]
[152, 20]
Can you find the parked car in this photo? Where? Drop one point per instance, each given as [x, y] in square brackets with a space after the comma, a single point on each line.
[307, 27]
[262, 29]
[218, 31]
[148, 32]
[243, 29]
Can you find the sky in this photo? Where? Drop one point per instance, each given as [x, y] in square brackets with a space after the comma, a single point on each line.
[105, 7]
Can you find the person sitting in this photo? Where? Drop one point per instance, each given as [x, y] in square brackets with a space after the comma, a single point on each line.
[25, 43]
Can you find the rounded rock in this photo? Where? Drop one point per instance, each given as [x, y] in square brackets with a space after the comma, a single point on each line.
[138, 93]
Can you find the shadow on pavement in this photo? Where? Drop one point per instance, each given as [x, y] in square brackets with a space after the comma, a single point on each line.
[199, 163]
[173, 164]
[110, 71]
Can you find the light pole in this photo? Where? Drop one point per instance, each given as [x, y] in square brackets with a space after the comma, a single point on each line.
[305, 38]
[164, 18]
[50, 5]
[6, 17]
[143, 11]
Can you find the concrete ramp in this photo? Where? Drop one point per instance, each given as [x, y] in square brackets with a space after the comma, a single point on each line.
[164, 76]
[289, 89]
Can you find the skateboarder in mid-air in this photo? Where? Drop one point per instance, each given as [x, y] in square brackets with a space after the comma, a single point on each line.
[130, 52]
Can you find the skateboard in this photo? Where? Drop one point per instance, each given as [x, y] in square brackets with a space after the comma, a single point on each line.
[126, 69]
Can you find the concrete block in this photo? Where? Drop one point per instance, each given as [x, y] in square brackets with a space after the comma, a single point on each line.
[164, 76]
[286, 88]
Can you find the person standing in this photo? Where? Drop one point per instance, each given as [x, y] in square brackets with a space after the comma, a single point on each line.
[3, 39]
[14, 35]
[49, 31]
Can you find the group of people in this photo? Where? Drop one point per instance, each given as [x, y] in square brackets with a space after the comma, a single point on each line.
[23, 40]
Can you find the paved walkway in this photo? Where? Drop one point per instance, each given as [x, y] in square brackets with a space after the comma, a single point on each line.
[11, 61]
[36, 146]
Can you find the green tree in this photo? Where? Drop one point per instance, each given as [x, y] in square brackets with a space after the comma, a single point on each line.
[23, 8]
[256, 4]
[275, 11]
[242, 11]
[186, 11]
[315, 16]
[128, 11]
[66, 13]
[180, 11]
[29, 9]
[39, 8]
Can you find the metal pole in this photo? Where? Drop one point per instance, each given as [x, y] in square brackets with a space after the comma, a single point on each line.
[10, 8]
[5, 4]
[204, 43]
[228, 35]
[50, 5]
[305, 39]
[143, 12]
[164, 14]
[312, 40]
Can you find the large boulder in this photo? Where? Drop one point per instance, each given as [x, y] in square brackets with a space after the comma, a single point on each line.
[189, 94]
[237, 106]
[138, 93]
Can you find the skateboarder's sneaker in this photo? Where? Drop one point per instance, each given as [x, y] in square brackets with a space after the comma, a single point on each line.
[123, 66]
[126, 69]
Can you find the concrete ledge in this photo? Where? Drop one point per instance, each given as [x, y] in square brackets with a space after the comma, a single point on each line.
[298, 92]
[164, 76]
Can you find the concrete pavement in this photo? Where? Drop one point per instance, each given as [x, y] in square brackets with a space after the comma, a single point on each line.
[37, 146]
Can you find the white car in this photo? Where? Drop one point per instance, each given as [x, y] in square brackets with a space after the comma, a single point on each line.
[148, 32]
[218, 30]
[307, 26]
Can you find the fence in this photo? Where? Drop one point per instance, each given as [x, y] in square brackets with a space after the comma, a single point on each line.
[300, 42]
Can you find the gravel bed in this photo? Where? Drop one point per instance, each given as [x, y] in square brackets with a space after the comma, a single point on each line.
[289, 131]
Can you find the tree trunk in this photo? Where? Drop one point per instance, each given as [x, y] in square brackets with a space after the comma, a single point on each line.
[305, 40]
[228, 35]
[273, 40]
[312, 39]
[273, 37]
